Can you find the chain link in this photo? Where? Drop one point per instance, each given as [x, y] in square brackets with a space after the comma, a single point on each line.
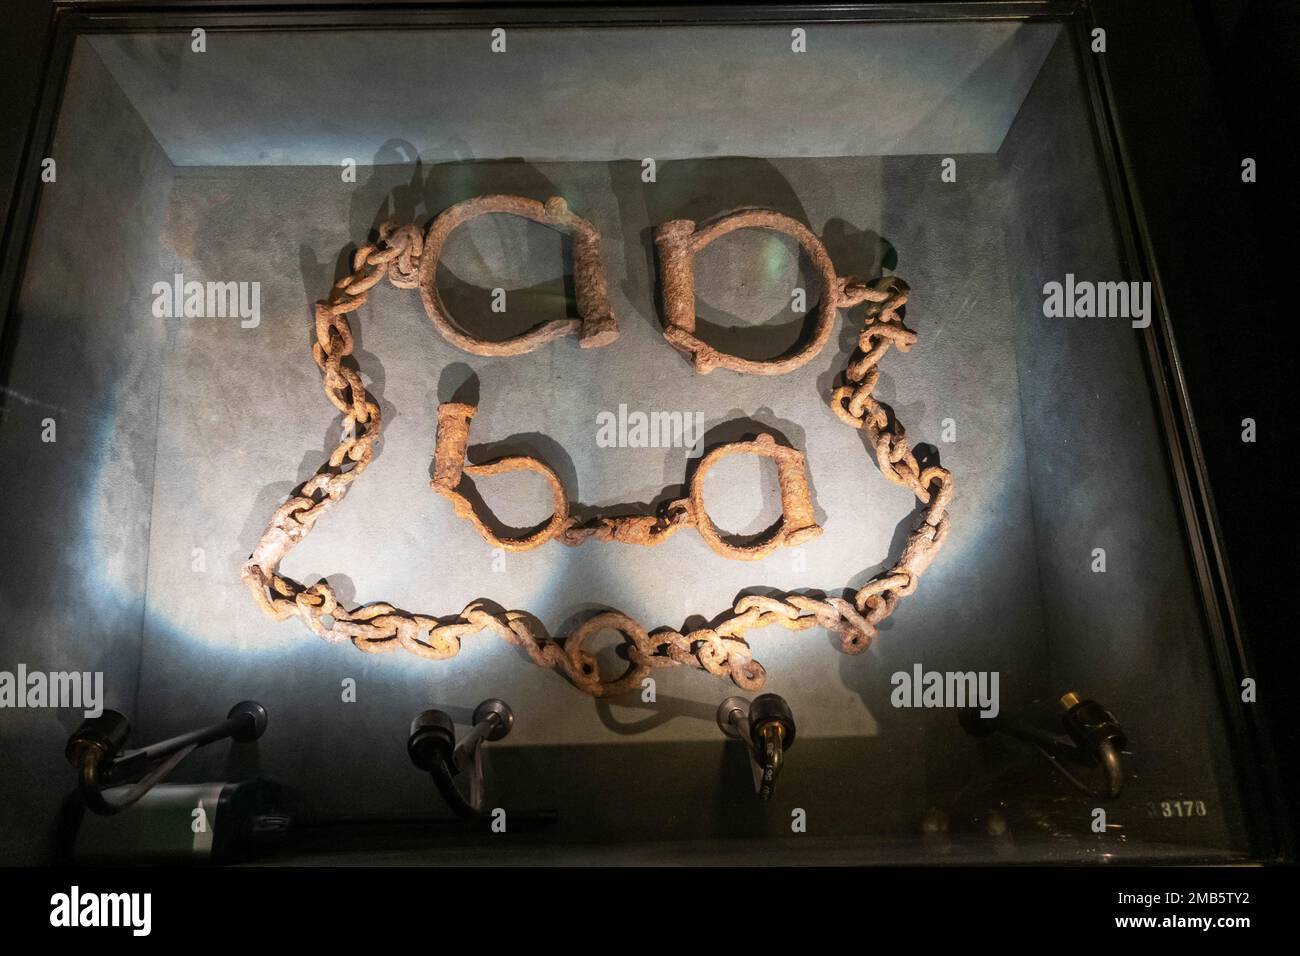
[720, 648]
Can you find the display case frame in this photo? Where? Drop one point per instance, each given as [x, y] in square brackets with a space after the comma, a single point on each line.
[1144, 259]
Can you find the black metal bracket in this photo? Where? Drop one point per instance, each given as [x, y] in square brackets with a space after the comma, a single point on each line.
[95, 750]
[1093, 737]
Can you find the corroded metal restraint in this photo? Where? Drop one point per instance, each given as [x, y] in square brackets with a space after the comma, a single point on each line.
[679, 240]
[596, 325]
[796, 526]
[719, 646]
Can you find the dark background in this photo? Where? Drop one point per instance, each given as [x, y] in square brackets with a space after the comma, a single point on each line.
[1209, 83]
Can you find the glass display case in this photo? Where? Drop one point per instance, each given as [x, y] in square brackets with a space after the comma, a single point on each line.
[1052, 679]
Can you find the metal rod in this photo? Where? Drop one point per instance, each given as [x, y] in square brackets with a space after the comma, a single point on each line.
[1034, 735]
[1114, 766]
[464, 752]
[205, 735]
[96, 793]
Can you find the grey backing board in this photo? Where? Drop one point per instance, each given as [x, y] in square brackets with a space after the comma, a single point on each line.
[408, 546]
[971, 612]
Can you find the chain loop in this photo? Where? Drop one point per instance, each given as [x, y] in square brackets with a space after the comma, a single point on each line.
[719, 649]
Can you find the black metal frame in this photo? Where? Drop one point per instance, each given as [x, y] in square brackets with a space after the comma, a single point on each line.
[1264, 806]
[1249, 733]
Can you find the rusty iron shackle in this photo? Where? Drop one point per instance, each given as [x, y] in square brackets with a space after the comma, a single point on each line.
[796, 525]
[678, 242]
[596, 326]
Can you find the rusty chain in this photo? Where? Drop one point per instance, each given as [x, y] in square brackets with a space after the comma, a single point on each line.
[720, 648]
